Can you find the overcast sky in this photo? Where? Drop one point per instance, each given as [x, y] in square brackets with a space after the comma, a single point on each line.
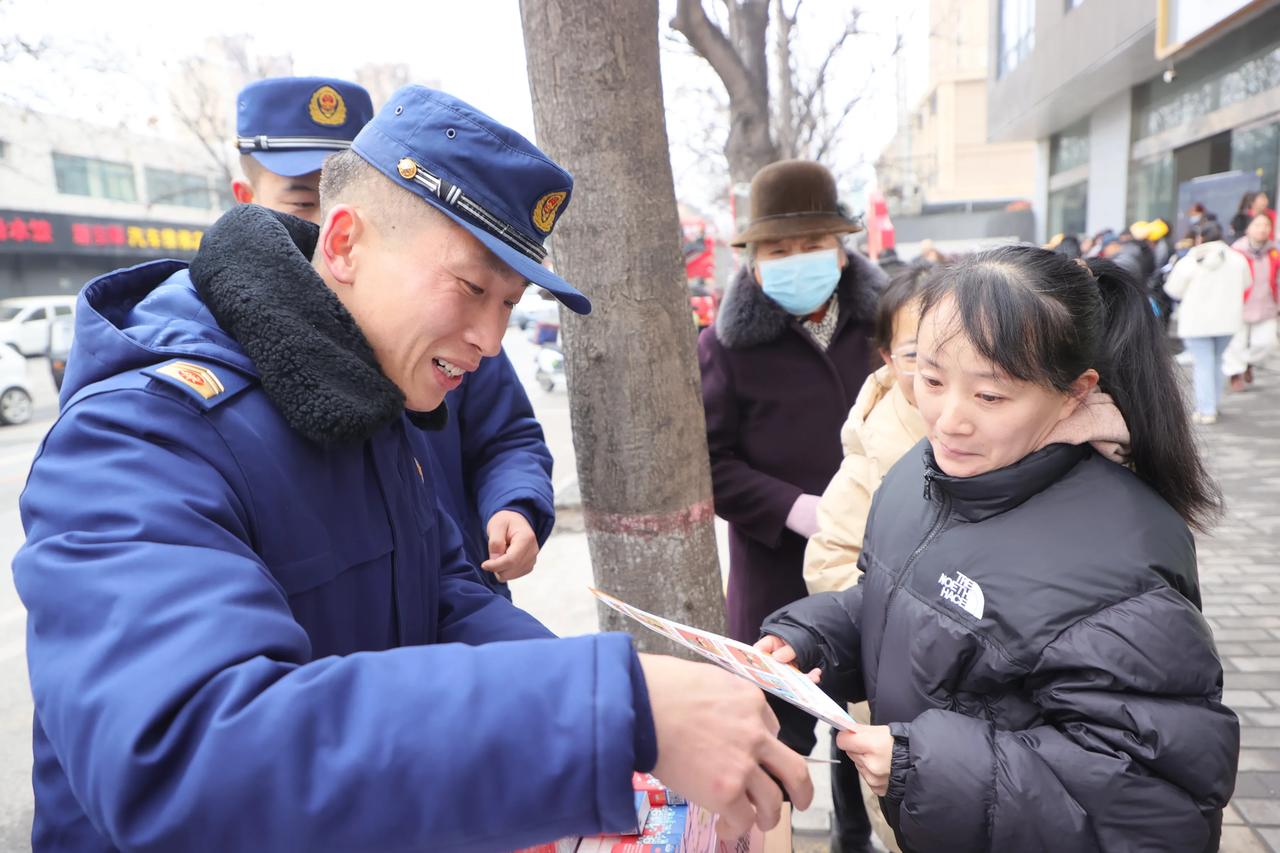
[474, 49]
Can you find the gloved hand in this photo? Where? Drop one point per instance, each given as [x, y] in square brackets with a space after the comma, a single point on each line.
[803, 517]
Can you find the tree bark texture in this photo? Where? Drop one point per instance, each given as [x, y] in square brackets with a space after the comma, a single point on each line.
[634, 387]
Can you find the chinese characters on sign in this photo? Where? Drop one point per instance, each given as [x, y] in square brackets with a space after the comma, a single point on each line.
[21, 230]
[56, 232]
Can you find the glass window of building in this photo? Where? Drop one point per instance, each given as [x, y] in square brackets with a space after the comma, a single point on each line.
[179, 188]
[1151, 190]
[117, 181]
[71, 174]
[97, 178]
[1257, 149]
[223, 199]
[1233, 69]
[1069, 149]
[1017, 33]
[1067, 209]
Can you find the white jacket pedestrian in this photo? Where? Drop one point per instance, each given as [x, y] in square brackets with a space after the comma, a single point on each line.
[1210, 282]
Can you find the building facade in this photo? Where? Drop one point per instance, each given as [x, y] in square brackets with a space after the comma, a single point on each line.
[79, 200]
[940, 157]
[1131, 101]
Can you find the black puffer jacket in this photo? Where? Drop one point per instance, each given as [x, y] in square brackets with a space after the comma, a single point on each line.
[1033, 638]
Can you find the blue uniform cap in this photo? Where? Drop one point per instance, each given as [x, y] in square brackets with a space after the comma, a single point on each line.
[481, 174]
[291, 124]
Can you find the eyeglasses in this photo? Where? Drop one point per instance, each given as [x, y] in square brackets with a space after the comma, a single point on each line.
[904, 362]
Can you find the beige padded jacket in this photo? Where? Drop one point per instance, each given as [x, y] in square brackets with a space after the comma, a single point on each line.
[881, 427]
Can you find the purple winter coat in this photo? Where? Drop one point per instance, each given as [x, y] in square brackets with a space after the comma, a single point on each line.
[775, 403]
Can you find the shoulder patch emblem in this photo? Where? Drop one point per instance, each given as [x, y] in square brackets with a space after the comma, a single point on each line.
[199, 379]
[544, 212]
[327, 107]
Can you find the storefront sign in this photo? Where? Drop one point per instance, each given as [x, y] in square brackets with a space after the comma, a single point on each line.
[60, 233]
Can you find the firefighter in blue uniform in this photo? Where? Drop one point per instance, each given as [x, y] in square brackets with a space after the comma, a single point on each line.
[492, 459]
[250, 627]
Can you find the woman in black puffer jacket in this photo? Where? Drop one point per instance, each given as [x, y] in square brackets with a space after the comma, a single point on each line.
[1027, 628]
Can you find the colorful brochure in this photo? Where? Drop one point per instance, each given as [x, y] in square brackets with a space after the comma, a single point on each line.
[782, 680]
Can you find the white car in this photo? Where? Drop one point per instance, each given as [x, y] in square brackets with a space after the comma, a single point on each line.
[25, 321]
[15, 393]
[535, 306]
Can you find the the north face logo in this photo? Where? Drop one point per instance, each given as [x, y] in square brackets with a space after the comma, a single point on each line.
[963, 591]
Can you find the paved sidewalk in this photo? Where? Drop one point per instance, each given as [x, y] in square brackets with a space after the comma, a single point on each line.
[1240, 577]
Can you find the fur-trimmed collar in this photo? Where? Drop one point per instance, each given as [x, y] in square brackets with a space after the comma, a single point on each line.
[254, 273]
[748, 318]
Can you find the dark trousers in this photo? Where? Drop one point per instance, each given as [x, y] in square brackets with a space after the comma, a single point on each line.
[850, 827]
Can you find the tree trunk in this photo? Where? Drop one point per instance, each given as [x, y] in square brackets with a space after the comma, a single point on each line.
[634, 388]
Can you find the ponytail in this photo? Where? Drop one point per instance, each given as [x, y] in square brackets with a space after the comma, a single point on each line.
[1044, 318]
[1137, 369]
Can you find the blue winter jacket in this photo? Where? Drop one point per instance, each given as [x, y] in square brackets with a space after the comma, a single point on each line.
[250, 626]
[492, 456]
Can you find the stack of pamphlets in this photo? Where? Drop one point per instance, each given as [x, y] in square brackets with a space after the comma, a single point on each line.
[667, 824]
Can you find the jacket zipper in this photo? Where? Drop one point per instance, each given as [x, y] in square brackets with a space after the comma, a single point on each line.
[944, 512]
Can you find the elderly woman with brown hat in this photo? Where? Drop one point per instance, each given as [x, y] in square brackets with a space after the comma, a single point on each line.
[781, 368]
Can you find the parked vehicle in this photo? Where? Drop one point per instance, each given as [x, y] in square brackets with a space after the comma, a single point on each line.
[15, 393]
[550, 366]
[26, 321]
[535, 306]
[60, 335]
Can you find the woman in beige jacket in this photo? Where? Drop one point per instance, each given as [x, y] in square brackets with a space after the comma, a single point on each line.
[882, 426]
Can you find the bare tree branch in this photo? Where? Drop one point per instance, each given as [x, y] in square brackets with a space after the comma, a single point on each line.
[805, 110]
[831, 131]
[201, 112]
[715, 47]
[784, 126]
[11, 47]
[834, 131]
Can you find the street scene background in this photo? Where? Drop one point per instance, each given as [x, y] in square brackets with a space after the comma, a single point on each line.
[950, 126]
[1239, 566]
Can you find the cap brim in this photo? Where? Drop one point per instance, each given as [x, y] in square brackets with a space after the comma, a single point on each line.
[569, 296]
[292, 164]
[795, 226]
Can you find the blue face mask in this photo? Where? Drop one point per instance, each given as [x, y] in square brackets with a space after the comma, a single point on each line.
[801, 284]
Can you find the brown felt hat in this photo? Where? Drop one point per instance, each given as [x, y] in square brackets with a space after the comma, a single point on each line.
[793, 198]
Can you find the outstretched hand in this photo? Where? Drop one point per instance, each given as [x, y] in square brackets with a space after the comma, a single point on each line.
[718, 745]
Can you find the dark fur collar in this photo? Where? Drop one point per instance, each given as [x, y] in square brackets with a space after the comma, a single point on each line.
[254, 273]
[748, 318]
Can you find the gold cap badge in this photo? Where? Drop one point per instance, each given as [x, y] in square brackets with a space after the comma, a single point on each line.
[327, 107]
[199, 379]
[544, 212]
[407, 168]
